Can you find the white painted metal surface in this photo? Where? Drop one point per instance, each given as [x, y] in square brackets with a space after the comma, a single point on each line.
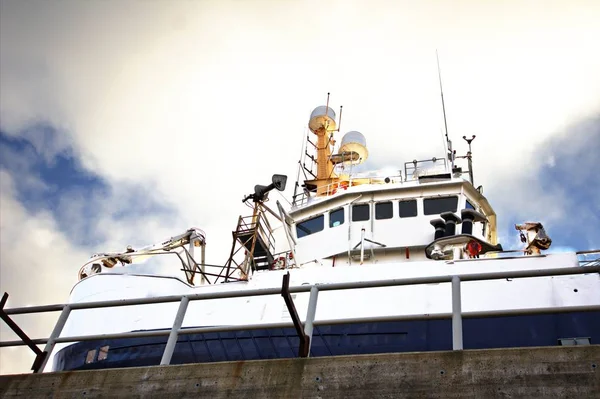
[421, 299]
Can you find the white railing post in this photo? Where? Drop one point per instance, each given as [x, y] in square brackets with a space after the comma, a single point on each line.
[310, 315]
[362, 245]
[173, 335]
[457, 335]
[60, 324]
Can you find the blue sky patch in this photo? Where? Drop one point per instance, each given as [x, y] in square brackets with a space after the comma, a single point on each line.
[58, 184]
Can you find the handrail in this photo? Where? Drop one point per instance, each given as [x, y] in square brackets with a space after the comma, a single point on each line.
[258, 224]
[456, 314]
[410, 176]
[585, 260]
[306, 288]
[301, 199]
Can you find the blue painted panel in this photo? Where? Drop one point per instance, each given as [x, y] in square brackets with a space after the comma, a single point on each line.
[344, 339]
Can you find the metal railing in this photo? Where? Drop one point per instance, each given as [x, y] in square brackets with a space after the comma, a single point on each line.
[304, 197]
[456, 315]
[250, 223]
[589, 258]
[411, 168]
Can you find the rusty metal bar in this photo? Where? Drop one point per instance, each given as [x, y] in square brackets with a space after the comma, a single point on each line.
[287, 297]
[39, 354]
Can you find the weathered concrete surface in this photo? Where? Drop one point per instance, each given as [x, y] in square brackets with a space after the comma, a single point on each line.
[515, 373]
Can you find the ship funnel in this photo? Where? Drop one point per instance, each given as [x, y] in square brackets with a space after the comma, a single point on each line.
[353, 149]
[451, 221]
[322, 118]
[440, 227]
[469, 216]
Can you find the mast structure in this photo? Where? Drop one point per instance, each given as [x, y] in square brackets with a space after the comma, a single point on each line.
[451, 152]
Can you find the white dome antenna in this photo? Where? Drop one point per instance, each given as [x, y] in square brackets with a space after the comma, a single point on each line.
[353, 149]
[322, 123]
[322, 119]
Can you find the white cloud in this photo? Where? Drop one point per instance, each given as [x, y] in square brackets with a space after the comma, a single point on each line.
[40, 262]
[193, 103]
[39, 266]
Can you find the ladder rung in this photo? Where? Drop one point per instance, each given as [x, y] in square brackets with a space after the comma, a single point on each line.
[309, 171]
[313, 158]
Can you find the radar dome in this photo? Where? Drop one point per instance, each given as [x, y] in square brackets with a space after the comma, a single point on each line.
[355, 142]
[322, 117]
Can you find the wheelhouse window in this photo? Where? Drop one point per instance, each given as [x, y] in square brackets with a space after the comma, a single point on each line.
[103, 353]
[360, 212]
[435, 206]
[336, 218]
[90, 357]
[310, 226]
[408, 208]
[384, 210]
[469, 205]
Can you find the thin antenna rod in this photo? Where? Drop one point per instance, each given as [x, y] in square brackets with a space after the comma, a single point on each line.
[327, 111]
[441, 93]
[444, 109]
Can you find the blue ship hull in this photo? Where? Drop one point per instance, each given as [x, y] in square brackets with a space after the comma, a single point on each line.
[343, 339]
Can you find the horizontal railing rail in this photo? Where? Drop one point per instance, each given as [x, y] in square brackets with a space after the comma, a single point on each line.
[589, 258]
[456, 315]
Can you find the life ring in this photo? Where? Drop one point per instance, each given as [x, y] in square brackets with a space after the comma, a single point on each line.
[473, 249]
[278, 263]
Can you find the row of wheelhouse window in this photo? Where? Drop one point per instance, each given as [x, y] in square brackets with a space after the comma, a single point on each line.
[383, 210]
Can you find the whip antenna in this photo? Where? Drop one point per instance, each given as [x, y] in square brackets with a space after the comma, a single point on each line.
[449, 143]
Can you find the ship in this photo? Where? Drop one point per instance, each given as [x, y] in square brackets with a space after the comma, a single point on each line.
[358, 262]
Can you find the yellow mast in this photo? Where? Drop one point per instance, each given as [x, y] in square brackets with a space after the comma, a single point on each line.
[353, 151]
[322, 124]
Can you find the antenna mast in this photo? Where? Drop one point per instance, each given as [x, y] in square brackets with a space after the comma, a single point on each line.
[449, 143]
[470, 157]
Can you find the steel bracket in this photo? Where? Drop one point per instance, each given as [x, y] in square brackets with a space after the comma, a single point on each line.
[40, 355]
[287, 297]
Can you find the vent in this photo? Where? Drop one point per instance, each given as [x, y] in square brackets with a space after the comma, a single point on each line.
[575, 341]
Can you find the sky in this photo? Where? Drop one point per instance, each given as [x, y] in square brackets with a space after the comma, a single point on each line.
[127, 122]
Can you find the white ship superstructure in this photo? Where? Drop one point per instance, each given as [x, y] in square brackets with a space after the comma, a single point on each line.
[424, 221]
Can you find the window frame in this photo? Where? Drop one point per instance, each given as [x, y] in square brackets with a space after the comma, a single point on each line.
[306, 234]
[425, 200]
[90, 356]
[103, 353]
[469, 204]
[413, 200]
[391, 204]
[368, 205]
[343, 217]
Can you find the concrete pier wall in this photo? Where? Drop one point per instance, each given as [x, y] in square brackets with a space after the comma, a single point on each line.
[515, 373]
